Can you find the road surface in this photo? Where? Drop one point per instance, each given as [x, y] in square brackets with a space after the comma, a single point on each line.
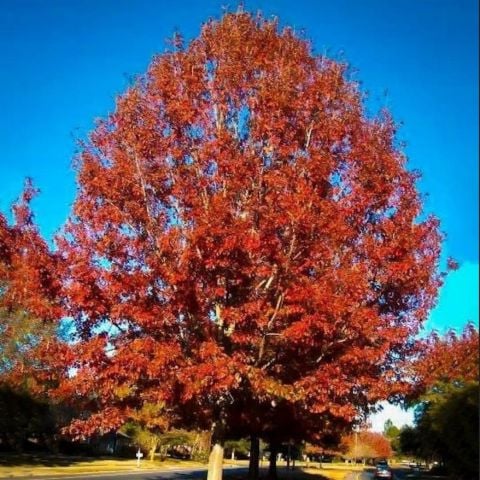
[367, 474]
[160, 474]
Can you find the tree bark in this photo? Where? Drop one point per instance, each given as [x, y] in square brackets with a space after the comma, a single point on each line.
[254, 457]
[151, 454]
[215, 461]
[152, 450]
[272, 466]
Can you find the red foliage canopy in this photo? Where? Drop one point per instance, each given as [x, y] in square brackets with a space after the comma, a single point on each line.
[367, 444]
[449, 358]
[29, 289]
[28, 271]
[242, 228]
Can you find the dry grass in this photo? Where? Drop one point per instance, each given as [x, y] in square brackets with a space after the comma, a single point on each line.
[18, 466]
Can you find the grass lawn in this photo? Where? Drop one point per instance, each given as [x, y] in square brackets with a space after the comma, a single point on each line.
[12, 466]
[33, 465]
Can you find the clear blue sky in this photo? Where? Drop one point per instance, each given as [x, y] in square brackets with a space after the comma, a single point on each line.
[63, 63]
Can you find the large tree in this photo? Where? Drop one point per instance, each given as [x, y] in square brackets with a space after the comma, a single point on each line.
[243, 232]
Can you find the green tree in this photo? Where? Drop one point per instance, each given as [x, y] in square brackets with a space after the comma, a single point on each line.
[392, 432]
[446, 415]
[22, 416]
[152, 440]
[240, 447]
[20, 334]
[144, 438]
[448, 430]
[409, 440]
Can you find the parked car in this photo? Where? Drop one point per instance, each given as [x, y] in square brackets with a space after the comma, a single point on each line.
[382, 470]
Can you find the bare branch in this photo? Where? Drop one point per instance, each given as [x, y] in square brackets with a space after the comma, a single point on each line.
[308, 135]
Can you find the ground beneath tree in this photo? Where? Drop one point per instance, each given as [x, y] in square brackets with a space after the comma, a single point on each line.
[51, 467]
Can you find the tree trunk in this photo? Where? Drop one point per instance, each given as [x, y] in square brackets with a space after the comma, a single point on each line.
[272, 466]
[215, 461]
[151, 452]
[254, 457]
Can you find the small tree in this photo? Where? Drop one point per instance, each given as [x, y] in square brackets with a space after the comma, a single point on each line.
[238, 447]
[366, 445]
[392, 432]
[146, 440]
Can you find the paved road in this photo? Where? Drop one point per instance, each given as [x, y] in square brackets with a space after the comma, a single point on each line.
[359, 476]
[163, 474]
[187, 474]
[367, 474]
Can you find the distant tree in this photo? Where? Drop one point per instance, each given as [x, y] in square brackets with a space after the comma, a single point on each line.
[24, 417]
[238, 447]
[366, 445]
[30, 305]
[29, 292]
[312, 450]
[409, 440]
[447, 411]
[21, 334]
[448, 361]
[455, 424]
[392, 432]
[176, 438]
[145, 439]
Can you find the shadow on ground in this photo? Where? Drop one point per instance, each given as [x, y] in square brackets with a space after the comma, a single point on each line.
[283, 474]
[42, 460]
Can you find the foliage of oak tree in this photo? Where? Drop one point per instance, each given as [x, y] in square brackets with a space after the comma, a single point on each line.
[243, 232]
[29, 306]
[365, 445]
[29, 288]
[448, 361]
